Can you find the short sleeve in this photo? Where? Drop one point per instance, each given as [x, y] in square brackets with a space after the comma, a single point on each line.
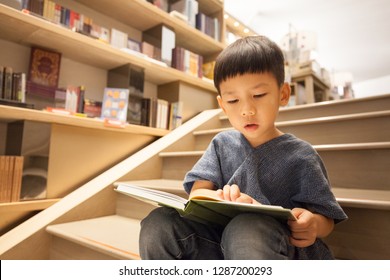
[315, 191]
[207, 168]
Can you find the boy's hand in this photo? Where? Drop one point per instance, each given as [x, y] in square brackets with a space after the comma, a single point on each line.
[233, 193]
[308, 227]
[304, 229]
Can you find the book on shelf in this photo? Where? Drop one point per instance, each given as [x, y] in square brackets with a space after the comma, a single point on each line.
[7, 87]
[187, 62]
[163, 40]
[188, 8]
[115, 102]
[203, 205]
[74, 98]
[1, 81]
[68, 18]
[118, 38]
[208, 25]
[44, 71]
[134, 110]
[11, 170]
[208, 69]
[175, 115]
[92, 108]
[19, 87]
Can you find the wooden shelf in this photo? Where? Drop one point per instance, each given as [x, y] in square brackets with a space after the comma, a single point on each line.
[30, 30]
[148, 16]
[28, 205]
[8, 114]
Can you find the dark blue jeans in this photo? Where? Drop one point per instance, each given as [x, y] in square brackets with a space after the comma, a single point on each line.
[166, 235]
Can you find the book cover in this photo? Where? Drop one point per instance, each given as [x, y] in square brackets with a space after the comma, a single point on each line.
[7, 90]
[202, 207]
[1, 81]
[115, 103]
[44, 67]
[134, 110]
[19, 87]
[17, 178]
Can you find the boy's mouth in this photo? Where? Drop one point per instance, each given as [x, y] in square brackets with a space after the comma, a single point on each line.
[251, 126]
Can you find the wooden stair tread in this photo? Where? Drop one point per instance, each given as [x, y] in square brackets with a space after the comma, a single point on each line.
[160, 184]
[363, 198]
[315, 120]
[181, 154]
[114, 235]
[330, 147]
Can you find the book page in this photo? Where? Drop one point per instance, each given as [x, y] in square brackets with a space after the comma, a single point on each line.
[204, 194]
[152, 195]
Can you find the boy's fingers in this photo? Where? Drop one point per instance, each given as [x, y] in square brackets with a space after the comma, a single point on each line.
[226, 192]
[234, 192]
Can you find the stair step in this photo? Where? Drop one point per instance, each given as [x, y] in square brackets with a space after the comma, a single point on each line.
[355, 165]
[331, 108]
[316, 120]
[181, 154]
[160, 184]
[329, 147]
[114, 236]
[335, 107]
[363, 198]
[362, 127]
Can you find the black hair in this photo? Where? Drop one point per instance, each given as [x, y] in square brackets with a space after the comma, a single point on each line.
[252, 54]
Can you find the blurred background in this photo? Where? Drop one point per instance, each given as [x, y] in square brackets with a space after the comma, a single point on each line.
[348, 38]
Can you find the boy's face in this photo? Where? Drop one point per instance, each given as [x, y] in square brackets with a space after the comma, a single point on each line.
[251, 102]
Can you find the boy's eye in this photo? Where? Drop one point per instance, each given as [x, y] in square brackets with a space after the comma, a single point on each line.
[232, 101]
[259, 95]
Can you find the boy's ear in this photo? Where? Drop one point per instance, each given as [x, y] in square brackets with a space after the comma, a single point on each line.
[285, 93]
[220, 103]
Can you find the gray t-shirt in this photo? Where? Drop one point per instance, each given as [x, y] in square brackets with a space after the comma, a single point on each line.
[284, 171]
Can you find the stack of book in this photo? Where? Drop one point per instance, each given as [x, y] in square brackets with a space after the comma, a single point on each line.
[188, 8]
[73, 20]
[208, 25]
[12, 85]
[188, 11]
[187, 62]
[159, 113]
[11, 171]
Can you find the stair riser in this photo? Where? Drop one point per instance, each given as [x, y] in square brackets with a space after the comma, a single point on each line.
[358, 169]
[175, 168]
[365, 235]
[346, 168]
[335, 109]
[62, 249]
[374, 129]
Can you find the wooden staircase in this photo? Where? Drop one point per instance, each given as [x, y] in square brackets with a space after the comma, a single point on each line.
[95, 222]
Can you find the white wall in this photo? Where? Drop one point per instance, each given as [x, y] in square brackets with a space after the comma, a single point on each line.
[380, 85]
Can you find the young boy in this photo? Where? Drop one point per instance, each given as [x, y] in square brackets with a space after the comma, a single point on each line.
[255, 163]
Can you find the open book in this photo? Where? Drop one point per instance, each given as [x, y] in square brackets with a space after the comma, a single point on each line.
[202, 207]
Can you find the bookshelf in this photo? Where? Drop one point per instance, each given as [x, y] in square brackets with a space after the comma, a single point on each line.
[148, 16]
[82, 148]
[35, 31]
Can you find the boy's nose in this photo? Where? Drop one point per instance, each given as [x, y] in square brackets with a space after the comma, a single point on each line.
[248, 110]
[247, 113]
